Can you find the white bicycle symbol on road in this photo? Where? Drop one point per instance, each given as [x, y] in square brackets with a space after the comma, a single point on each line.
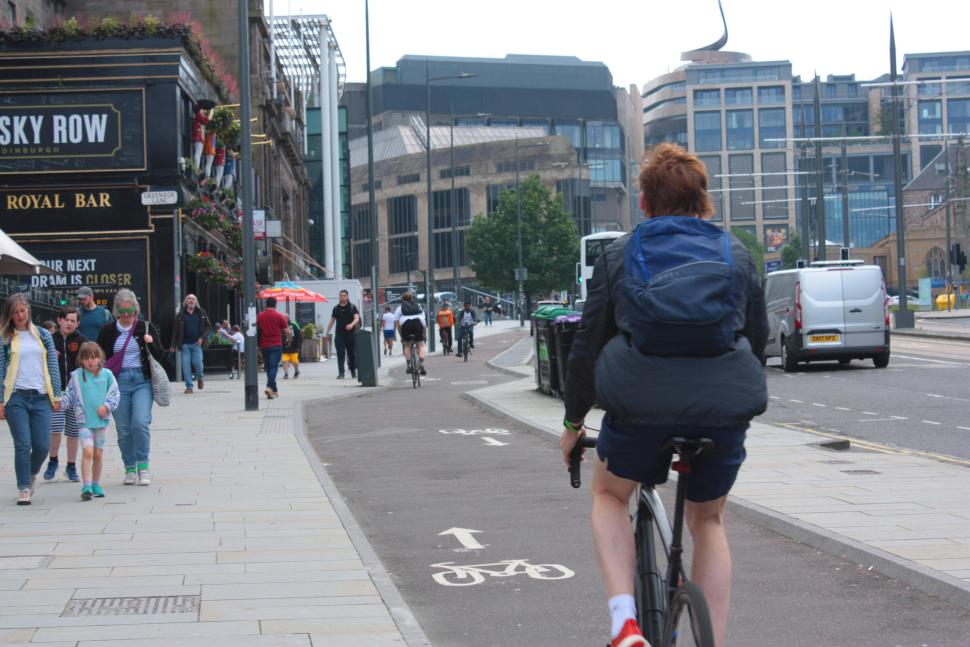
[475, 432]
[455, 575]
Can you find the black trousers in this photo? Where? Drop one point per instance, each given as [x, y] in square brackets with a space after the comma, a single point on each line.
[346, 348]
[446, 336]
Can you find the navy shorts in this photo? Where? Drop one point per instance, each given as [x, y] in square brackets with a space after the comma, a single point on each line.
[389, 334]
[635, 453]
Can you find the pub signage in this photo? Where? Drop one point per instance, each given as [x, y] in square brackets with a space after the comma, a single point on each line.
[75, 210]
[65, 131]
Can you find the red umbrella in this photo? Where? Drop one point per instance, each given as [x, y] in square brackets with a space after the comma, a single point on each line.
[290, 291]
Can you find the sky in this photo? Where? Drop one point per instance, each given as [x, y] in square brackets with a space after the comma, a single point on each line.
[641, 39]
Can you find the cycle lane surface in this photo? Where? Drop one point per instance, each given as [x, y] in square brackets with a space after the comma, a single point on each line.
[407, 483]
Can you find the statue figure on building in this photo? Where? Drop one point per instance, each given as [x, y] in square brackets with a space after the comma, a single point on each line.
[209, 153]
[232, 158]
[199, 122]
[219, 163]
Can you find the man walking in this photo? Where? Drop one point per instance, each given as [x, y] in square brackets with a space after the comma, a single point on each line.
[346, 316]
[389, 325]
[67, 342]
[270, 326]
[487, 309]
[92, 317]
[191, 327]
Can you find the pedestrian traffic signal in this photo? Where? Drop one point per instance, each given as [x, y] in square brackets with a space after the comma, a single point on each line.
[958, 257]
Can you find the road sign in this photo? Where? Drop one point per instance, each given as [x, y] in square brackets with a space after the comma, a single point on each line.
[150, 198]
[259, 224]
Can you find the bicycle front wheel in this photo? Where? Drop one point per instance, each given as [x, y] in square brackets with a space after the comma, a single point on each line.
[688, 619]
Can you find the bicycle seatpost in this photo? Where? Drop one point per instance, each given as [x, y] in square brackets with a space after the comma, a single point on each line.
[575, 457]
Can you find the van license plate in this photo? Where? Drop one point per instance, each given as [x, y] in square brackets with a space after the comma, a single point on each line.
[821, 339]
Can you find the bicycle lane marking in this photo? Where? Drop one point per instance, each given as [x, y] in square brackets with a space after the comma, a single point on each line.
[451, 574]
[484, 433]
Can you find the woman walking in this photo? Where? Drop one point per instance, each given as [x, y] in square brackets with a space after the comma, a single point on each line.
[133, 338]
[30, 388]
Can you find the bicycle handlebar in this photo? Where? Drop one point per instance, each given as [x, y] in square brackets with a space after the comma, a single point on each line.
[575, 456]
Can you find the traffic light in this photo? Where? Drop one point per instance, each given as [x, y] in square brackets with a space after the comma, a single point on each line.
[958, 257]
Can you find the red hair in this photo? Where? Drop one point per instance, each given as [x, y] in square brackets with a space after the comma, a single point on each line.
[673, 182]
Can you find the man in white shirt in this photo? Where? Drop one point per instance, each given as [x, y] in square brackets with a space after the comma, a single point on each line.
[389, 323]
[411, 322]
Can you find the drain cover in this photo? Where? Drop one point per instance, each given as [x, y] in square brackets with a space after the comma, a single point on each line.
[860, 472]
[161, 604]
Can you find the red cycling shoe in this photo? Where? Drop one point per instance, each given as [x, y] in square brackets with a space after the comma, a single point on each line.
[630, 636]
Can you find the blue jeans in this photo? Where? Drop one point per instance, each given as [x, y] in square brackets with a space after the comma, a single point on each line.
[133, 417]
[271, 361]
[29, 419]
[488, 317]
[191, 360]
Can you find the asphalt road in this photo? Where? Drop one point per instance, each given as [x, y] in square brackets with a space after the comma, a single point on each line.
[407, 482]
[920, 401]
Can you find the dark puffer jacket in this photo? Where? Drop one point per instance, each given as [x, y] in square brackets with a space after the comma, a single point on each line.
[647, 390]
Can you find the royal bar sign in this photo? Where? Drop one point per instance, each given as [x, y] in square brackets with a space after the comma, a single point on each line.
[72, 131]
[55, 212]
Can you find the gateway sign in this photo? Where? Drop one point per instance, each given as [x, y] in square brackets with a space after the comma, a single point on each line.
[77, 130]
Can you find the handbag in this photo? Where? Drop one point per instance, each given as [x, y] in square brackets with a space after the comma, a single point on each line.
[115, 362]
[161, 388]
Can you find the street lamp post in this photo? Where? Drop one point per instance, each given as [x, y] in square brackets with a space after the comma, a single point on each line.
[246, 178]
[518, 244]
[429, 276]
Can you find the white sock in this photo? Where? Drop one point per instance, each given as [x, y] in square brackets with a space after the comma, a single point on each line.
[622, 608]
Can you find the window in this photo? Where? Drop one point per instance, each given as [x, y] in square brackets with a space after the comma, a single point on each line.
[713, 164]
[603, 135]
[403, 253]
[738, 74]
[11, 12]
[443, 246]
[936, 263]
[402, 215]
[571, 131]
[361, 260]
[930, 117]
[738, 96]
[606, 171]
[707, 131]
[771, 95]
[493, 194]
[366, 187]
[441, 208]
[509, 167]
[360, 222]
[830, 90]
[772, 192]
[742, 187]
[707, 98]
[460, 171]
[771, 125]
[408, 179]
[740, 129]
[958, 115]
[852, 90]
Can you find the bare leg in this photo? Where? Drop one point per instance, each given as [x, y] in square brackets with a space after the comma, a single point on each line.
[711, 567]
[421, 350]
[407, 352]
[612, 532]
[87, 456]
[97, 465]
[56, 446]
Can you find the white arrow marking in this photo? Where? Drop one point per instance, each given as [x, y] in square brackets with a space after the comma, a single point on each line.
[494, 443]
[464, 536]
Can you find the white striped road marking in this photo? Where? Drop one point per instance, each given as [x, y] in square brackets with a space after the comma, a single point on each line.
[876, 420]
[468, 382]
[869, 413]
[899, 417]
[934, 361]
[796, 401]
[963, 428]
[929, 422]
[774, 397]
[816, 404]
[843, 409]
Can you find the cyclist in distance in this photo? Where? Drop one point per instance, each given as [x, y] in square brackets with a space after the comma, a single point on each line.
[410, 322]
[662, 368]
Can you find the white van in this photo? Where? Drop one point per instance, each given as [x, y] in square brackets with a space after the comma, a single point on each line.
[832, 310]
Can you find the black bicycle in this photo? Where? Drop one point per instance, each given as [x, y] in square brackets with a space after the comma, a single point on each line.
[463, 338]
[445, 336]
[671, 610]
[414, 362]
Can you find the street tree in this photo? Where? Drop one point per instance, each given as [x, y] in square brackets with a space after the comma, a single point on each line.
[791, 252]
[755, 248]
[550, 244]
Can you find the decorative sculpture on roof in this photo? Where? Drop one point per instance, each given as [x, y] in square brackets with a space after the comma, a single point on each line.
[720, 42]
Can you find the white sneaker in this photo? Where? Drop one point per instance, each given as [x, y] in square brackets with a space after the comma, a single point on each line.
[144, 477]
[130, 478]
[23, 498]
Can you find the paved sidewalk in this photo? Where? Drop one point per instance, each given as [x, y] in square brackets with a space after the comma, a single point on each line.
[906, 515]
[241, 541]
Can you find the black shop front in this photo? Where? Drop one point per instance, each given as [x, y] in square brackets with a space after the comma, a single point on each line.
[92, 134]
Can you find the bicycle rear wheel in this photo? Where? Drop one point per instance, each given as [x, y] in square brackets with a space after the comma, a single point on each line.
[413, 362]
[649, 588]
[688, 619]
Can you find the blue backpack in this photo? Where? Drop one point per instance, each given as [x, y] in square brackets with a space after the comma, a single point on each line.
[681, 288]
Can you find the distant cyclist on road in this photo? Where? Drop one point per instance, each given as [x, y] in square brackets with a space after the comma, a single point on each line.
[675, 327]
[466, 325]
[446, 322]
[411, 323]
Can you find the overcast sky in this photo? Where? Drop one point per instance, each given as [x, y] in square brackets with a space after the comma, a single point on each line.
[641, 39]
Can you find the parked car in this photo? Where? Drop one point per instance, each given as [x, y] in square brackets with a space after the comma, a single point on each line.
[831, 310]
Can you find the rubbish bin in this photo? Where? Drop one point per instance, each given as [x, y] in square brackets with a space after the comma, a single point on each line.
[547, 375]
[366, 357]
[565, 327]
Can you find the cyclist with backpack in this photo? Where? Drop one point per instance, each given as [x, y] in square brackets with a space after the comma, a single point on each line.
[671, 343]
[411, 323]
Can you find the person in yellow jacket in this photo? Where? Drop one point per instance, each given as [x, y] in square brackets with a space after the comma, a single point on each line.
[30, 388]
[446, 323]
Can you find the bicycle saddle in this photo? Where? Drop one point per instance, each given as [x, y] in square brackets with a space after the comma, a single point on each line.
[686, 447]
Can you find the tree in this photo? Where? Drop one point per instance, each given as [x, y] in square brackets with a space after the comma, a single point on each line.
[791, 252]
[755, 248]
[550, 244]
